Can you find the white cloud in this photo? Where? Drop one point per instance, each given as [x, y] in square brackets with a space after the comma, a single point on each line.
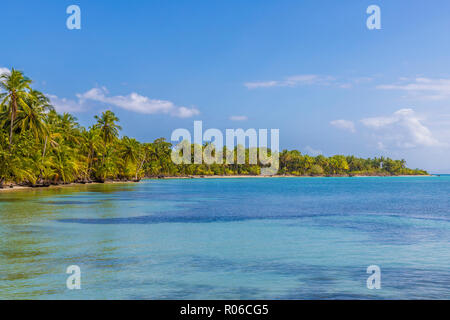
[344, 125]
[307, 79]
[423, 88]
[137, 103]
[312, 152]
[4, 70]
[310, 79]
[261, 84]
[381, 145]
[238, 118]
[293, 81]
[363, 80]
[62, 105]
[132, 102]
[402, 129]
[183, 112]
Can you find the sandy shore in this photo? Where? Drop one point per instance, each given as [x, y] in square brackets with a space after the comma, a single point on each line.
[7, 188]
[24, 188]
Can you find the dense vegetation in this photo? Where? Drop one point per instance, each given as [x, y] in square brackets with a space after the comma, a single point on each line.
[40, 146]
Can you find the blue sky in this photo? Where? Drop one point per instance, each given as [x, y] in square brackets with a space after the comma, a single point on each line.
[310, 68]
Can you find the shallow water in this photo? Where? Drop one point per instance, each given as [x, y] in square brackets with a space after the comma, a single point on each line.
[283, 238]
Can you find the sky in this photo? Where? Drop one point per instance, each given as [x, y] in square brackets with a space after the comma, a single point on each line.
[310, 68]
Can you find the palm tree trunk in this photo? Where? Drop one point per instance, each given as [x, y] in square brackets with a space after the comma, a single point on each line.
[11, 130]
[45, 148]
[13, 113]
[43, 157]
[90, 154]
[140, 167]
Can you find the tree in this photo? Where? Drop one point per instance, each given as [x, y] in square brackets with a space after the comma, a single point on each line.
[109, 130]
[338, 164]
[16, 87]
[38, 144]
[32, 118]
[92, 145]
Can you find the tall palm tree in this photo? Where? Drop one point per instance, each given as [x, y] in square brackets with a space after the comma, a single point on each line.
[145, 154]
[69, 128]
[32, 118]
[130, 150]
[109, 130]
[51, 120]
[92, 144]
[65, 165]
[16, 87]
[42, 100]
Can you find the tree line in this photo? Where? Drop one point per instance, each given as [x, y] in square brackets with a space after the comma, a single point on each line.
[39, 147]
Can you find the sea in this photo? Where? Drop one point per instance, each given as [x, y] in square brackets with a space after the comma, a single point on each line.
[234, 238]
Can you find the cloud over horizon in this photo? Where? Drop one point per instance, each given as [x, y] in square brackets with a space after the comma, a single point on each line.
[138, 103]
[312, 152]
[422, 88]
[292, 81]
[238, 118]
[133, 102]
[344, 125]
[309, 80]
[402, 129]
[4, 70]
[65, 105]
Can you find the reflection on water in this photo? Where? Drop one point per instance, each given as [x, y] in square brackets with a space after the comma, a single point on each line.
[229, 239]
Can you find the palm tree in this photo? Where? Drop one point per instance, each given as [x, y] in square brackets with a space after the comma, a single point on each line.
[69, 128]
[163, 150]
[109, 130]
[15, 85]
[92, 143]
[147, 152]
[65, 165]
[135, 153]
[130, 150]
[42, 100]
[32, 118]
[51, 137]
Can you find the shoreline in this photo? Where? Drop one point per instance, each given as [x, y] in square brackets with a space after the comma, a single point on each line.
[289, 176]
[74, 184]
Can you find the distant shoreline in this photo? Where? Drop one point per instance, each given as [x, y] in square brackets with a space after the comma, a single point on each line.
[289, 176]
[12, 187]
[73, 184]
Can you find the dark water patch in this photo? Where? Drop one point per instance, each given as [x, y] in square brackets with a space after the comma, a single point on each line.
[11, 200]
[396, 282]
[322, 282]
[307, 295]
[69, 202]
[167, 289]
[184, 291]
[241, 293]
[178, 219]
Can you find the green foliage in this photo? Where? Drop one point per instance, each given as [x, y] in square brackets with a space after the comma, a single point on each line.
[40, 146]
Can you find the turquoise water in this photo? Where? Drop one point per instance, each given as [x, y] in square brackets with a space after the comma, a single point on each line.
[265, 238]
